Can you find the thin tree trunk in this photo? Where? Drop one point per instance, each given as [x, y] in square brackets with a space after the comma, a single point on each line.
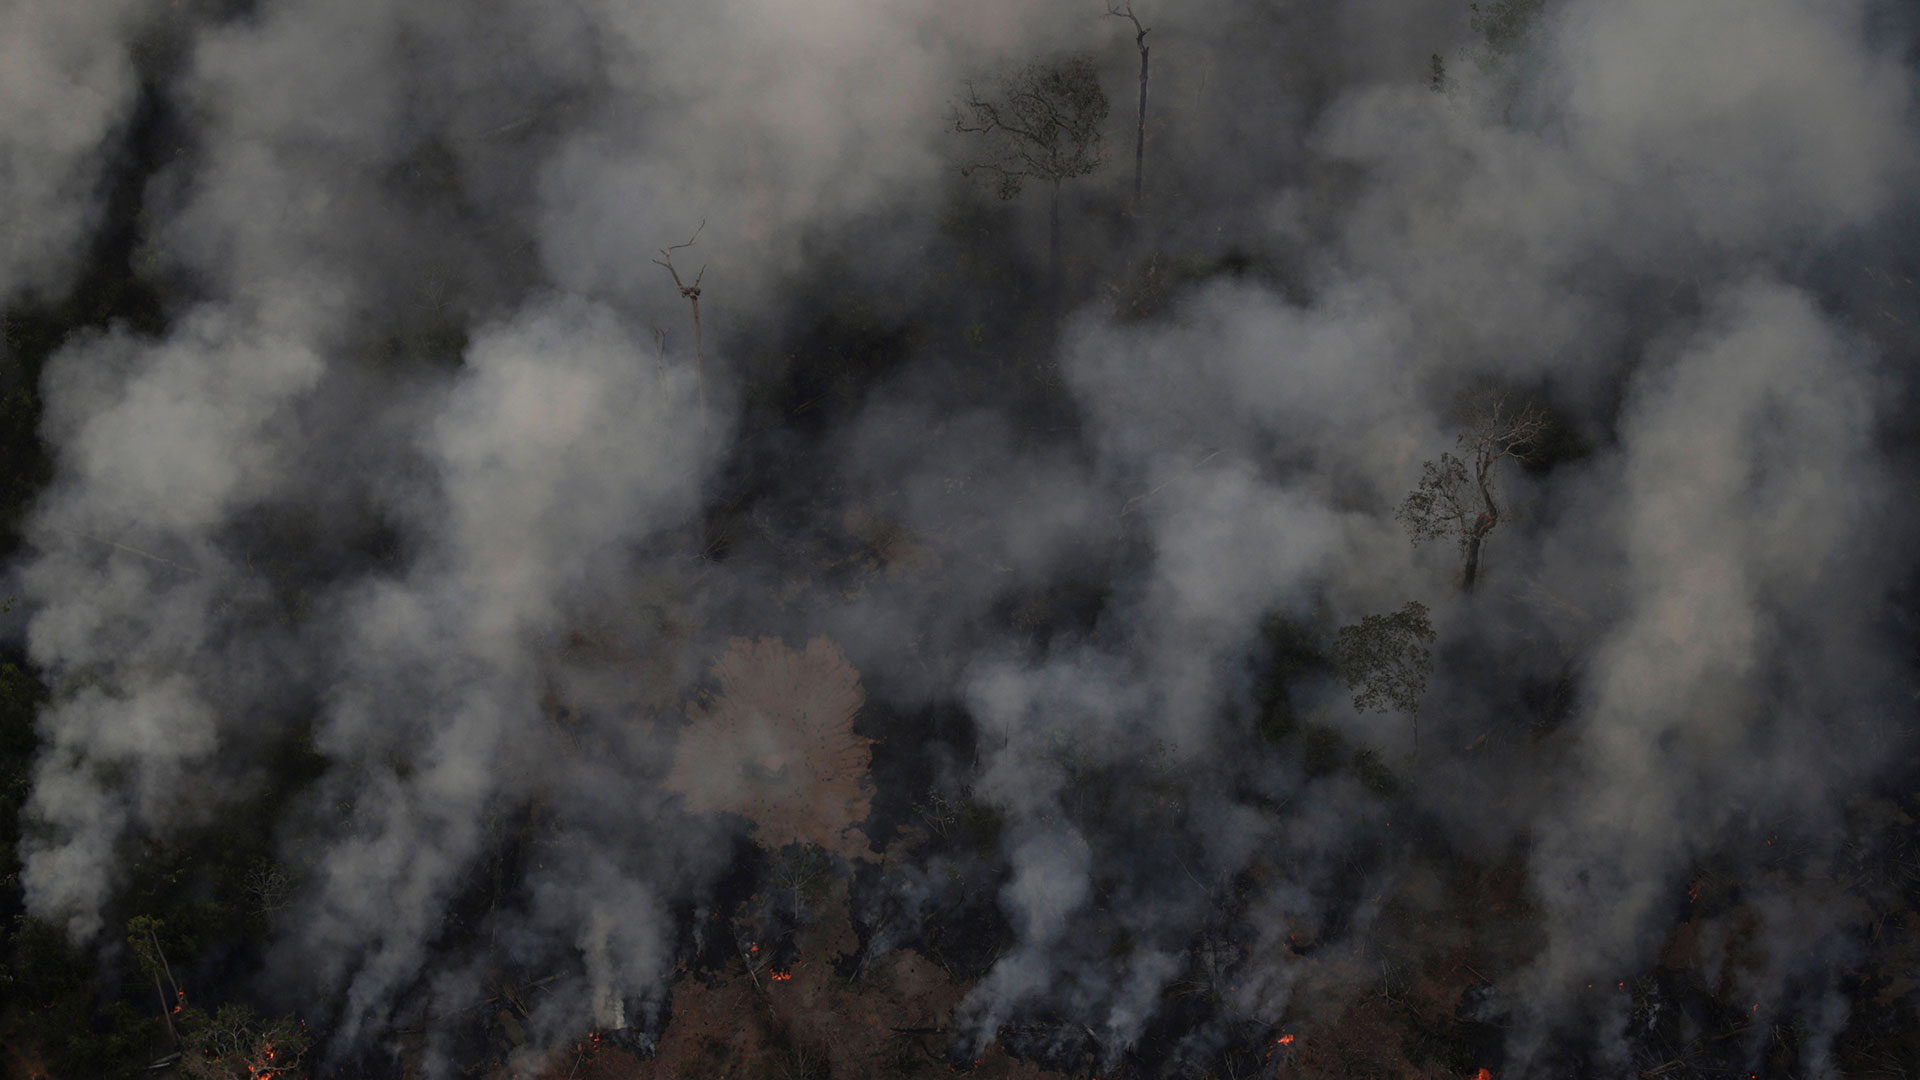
[1484, 524]
[166, 1011]
[699, 357]
[1053, 245]
[1140, 135]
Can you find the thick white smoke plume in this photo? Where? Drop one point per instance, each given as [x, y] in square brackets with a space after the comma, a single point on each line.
[431, 483]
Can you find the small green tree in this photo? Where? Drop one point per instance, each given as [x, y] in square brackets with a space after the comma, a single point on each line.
[1044, 125]
[1384, 660]
[1455, 498]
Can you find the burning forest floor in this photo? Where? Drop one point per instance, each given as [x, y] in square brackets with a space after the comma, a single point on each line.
[866, 905]
[802, 1020]
[1418, 999]
[811, 972]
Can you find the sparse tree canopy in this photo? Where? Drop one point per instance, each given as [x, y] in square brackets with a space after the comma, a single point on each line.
[1455, 496]
[1384, 659]
[1044, 124]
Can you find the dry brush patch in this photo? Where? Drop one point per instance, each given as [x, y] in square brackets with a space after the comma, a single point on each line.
[776, 745]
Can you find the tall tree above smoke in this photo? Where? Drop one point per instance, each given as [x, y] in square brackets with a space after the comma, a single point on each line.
[1456, 497]
[1384, 659]
[1042, 123]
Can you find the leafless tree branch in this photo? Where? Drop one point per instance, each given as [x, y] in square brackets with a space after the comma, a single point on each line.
[691, 293]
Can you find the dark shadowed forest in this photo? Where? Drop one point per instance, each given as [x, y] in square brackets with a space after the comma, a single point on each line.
[777, 540]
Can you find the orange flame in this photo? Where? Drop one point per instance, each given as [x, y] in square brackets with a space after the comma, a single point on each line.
[1483, 1074]
[1284, 1040]
[782, 976]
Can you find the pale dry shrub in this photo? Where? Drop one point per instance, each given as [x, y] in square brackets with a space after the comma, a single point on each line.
[776, 745]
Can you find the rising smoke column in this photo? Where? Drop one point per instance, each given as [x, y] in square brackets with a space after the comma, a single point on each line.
[1624, 212]
[68, 92]
[445, 178]
[1726, 698]
[1518, 239]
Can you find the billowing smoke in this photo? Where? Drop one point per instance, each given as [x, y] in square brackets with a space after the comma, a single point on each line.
[429, 526]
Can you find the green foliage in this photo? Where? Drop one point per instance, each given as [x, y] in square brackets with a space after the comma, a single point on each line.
[1456, 499]
[1384, 659]
[194, 888]
[143, 937]
[1043, 125]
[54, 982]
[1439, 504]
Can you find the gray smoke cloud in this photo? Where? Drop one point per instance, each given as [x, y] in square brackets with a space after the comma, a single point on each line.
[69, 88]
[425, 416]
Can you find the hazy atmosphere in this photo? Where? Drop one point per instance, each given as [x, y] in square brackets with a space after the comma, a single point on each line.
[631, 539]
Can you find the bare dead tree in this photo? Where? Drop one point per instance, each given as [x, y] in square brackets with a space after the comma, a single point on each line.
[1140, 132]
[692, 295]
[1455, 496]
[269, 887]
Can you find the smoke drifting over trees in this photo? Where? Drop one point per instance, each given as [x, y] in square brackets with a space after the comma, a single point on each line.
[433, 656]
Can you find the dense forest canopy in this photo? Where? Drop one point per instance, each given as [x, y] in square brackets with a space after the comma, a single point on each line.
[1239, 538]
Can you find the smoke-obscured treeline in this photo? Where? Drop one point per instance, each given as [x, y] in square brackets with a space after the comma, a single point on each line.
[1240, 538]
